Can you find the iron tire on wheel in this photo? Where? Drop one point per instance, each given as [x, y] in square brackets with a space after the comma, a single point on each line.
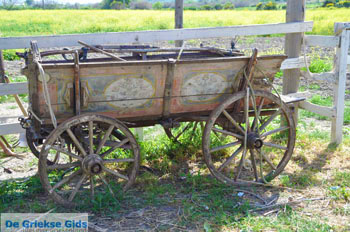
[262, 133]
[93, 162]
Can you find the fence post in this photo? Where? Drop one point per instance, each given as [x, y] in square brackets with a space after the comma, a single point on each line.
[340, 84]
[2, 68]
[291, 77]
[179, 18]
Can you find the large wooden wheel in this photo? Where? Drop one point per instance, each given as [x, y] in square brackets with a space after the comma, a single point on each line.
[260, 137]
[107, 155]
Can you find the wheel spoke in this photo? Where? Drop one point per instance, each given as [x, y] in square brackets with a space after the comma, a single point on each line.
[91, 137]
[283, 128]
[103, 141]
[229, 159]
[183, 130]
[228, 116]
[118, 160]
[252, 158]
[77, 187]
[123, 142]
[225, 146]
[241, 164]
[246, 111]
[228, 133]
[263, 126]
[58, 149]
[267, 159]
[194, 129]
[258, 113]
[117, 174]
[62, 166]
[76, 142]
[275, 146]
[65, 180]
[106, 183]
[92, 187]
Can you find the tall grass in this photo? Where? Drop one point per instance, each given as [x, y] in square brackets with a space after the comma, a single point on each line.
[45, 22]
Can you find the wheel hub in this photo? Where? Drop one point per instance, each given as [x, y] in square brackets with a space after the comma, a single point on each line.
[254, 141]
[92, 164]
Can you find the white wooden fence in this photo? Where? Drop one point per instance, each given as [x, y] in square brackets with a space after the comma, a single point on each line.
[340, 40]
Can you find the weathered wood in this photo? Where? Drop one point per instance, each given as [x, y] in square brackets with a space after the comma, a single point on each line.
[293, 63]
[179, 19]
[101, 51]
[13, 88]
[2, 68]
[322, 41]
[321, 110]
[293, 42]
[154, 36]
[339, 27]
[18, 101]
[339, 87]
[13, 128]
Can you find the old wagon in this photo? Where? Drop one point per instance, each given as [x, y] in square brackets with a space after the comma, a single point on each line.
[82, 108]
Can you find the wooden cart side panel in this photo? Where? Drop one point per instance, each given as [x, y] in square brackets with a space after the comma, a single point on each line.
[60, 85]
[124, 91]
[203, 86]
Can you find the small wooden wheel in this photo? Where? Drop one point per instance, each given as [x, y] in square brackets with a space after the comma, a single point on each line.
[178, 133]
[107, 154]
[260, 137]
[35, 146]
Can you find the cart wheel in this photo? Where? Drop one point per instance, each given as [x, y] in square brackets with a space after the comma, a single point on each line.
[35, 146]
[102, 158]
[260, 138]
[176, 134]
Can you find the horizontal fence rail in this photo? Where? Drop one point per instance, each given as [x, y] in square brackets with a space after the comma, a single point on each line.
[13, 88]
[154, 36]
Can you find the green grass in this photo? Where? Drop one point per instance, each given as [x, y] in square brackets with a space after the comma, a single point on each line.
[40, 22]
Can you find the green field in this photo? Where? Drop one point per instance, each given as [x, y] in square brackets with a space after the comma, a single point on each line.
[40, 22]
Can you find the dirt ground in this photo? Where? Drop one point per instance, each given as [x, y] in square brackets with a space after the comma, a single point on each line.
[315, 157]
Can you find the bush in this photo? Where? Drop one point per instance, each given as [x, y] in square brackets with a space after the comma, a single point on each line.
[330, 5]
[270, 6]
[259, 6]
[229, 6]
[143, 5]
[190, 8]
[206, 7]
[325, 3]
[343, 4]
[218, 7]
[157, 6]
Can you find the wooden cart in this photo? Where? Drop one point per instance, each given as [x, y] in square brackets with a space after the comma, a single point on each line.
[248, 134]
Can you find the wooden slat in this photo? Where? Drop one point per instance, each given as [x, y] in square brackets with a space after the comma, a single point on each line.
[293, 63]
[13, 88]
[153, 36]
[322, 41]
[321, 110]
[13, 128]
[339, 27]
[340, 86]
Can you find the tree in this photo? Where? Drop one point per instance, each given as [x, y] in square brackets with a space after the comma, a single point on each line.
[157, 6]
[229, 6]
[29, 2]
[114, 4]
[8, 4]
